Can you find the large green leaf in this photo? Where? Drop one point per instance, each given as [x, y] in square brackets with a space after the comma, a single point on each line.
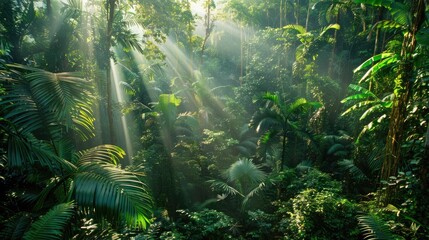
[302, 105]
[422, 36]
[103, 189]
[334, 26]
[401, 13]
[25, 150]
[53, 103]
[357, 106]
[268, 123]
[52, 224]
[271, 97]
[373, 60]
[300, 29]
[363, 94]
[106, 153]
[166, 99]
[385, 63]
[224, 187]
[388, 25]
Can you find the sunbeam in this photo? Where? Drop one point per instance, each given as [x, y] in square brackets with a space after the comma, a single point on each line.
[124, 128]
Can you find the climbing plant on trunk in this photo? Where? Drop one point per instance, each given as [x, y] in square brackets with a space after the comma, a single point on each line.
[409, 18]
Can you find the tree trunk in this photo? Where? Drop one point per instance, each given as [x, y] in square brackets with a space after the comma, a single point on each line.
[283, 151]
[209, 28]
[241, 54]
[281, 14]
[331, 71]
[307, 19]
[403, 85]
[297, 5]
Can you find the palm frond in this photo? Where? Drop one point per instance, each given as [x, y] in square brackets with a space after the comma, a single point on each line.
[252, 193]
[16, 226]
[302, 105]
[268, 123]
[375, 160]
[106, 153]
[363, 93]
[25, 150]
[374, 228]
[224, 187]
[245, 170]
[52, 224]
[105, 190]
[40, 100]
[48, 192]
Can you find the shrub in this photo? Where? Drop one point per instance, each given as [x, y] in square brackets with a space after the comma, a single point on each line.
[319, 215]
[260, 225]
[206, 224]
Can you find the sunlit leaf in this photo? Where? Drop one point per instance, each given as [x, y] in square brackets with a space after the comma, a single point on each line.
[376, 3]
[388, 25]
[400, 13]
[334, 26]
[387, 62]
[110, 192]
[374, 228]
[372, 60]
[245, 170]
[300, 29]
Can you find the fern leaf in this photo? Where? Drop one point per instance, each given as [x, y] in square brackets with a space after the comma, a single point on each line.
[374, 228]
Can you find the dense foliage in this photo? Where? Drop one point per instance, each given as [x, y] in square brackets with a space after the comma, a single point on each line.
[214, 119]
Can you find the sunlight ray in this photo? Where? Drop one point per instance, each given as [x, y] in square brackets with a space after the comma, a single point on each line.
[124, 129]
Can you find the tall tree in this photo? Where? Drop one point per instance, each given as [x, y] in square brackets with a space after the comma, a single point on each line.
[403, 86]
[408, 17]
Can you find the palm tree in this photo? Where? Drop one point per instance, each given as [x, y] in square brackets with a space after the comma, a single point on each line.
[244, 179]
[280, 119]
[45, 115]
